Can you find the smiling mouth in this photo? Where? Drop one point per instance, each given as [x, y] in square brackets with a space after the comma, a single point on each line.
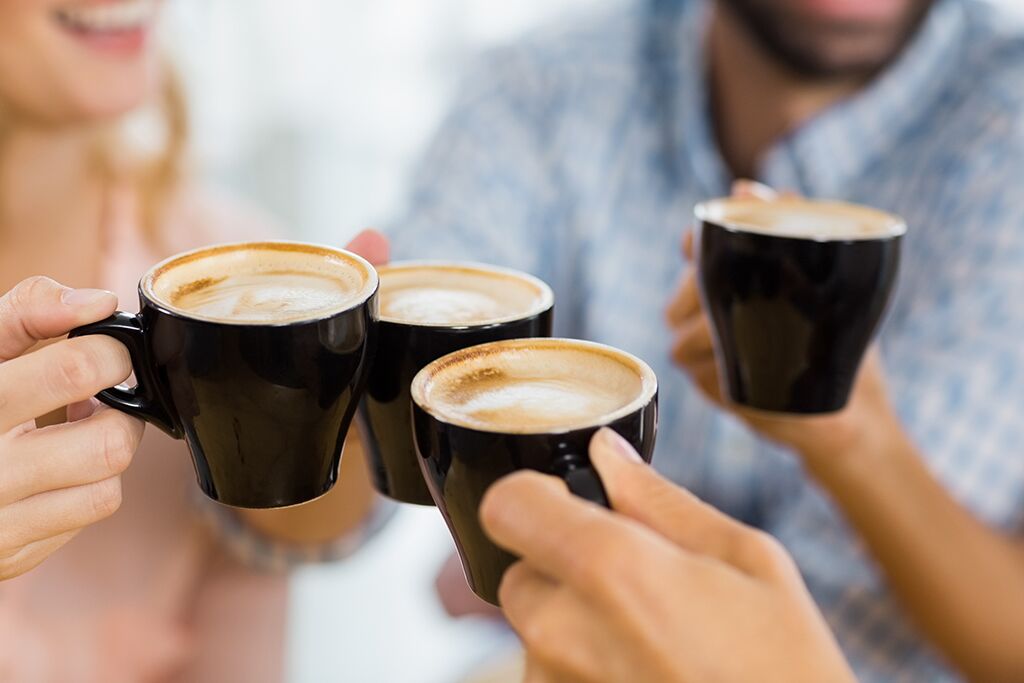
[109, 18]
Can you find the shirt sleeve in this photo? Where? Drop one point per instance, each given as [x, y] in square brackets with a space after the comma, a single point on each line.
[955, 350]
[488, 188]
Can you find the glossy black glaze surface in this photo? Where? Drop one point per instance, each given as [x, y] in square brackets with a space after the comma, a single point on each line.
[460, 464]
[264, 409]
[792, 318]
[384, 415]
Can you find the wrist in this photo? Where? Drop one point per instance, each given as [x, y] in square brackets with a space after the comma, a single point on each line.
[869, 451]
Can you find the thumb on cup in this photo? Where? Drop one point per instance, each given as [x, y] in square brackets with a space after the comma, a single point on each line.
[637, 491]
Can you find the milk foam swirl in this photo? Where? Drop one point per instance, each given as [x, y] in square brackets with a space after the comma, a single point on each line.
[802, 219]
[265, 297]
[261, 282]
[458, 294]
[534, 386]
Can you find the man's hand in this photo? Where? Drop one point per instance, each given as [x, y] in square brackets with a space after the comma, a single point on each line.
[56, 480]
[664, 589]
[818, 439]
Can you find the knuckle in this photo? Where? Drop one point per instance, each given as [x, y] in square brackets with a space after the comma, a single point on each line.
[105, 498]
[536, 632]
[116, 355]
[28, 292]
[682, 346]
[767, 552]
[508, 590]
[492, 505]
[8, 570]
[118, 443]
[739, 542]
[499, 501]
[76, 369]
[91, 364]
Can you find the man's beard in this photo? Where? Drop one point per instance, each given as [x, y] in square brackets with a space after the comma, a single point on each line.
[822, 51]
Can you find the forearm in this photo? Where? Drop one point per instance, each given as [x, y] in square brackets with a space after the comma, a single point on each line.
[325, 519]
[961, 582]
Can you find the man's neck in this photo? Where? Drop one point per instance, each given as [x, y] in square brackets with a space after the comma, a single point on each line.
[755, 99]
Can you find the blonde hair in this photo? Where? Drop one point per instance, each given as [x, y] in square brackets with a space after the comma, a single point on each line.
[154, 176]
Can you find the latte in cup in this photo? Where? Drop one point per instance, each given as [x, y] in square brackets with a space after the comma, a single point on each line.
[458, 294]
[534, 386]
[795, 290]
[429, 309]
[822, 221]
[256, 355]
[487, 411]
[260, 283]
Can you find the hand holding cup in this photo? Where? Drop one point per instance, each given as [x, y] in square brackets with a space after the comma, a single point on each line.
[57, 480]
[824, 435]
[663, 589]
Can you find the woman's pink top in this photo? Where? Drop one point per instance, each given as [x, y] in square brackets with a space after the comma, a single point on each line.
[147, 595]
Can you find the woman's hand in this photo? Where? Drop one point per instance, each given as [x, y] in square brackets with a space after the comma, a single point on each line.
[820, 439]
[56, 480]
[664, 589]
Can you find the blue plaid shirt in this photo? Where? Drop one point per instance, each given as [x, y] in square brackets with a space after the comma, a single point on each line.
[579, 155]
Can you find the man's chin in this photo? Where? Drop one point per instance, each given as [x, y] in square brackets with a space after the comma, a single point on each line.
[829, 56]
[798, 35]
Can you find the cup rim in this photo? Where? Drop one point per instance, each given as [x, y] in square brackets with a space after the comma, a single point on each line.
[711, 212]
[147, 282]
[648, 382]
[545, 302]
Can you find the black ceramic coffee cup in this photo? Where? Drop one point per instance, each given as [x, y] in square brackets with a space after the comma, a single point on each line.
[428, 310]
[796, 290]
[487, 411]
[255, 354]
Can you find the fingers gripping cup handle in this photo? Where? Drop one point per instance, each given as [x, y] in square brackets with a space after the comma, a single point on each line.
[581, 479]
[142, 401]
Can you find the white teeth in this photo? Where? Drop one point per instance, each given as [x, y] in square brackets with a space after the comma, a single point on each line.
[120, 16]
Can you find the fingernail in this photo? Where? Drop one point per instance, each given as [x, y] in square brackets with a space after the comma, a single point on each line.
[616, 444]
[754, 189]
[85, 297]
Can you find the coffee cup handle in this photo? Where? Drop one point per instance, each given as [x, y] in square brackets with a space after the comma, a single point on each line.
[143, 400]
[581, 478]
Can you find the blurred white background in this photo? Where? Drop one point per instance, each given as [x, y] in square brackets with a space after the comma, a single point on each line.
[315, 110]
[317, 107]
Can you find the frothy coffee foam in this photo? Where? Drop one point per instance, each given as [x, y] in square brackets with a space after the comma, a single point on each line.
[261, 283]
[458, 294]
[534, 386]
[263, 297]
[799, 218]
